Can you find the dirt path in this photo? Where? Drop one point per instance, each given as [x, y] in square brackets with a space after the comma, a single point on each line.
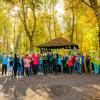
[59, 87]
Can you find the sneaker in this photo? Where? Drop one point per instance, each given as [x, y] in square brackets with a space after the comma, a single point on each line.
[9, 78]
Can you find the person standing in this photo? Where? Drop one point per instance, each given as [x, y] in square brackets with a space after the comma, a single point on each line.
[59, 64]
[4, 64]
[70, 65]
[45, 64]
[41, 65]
[96, 63]
[92, 61]
[65, 64]
[10, 63]
[74, 60]
[20, 66]
[27, 62]
[78, 64]
[15, 65]
[36, 63]
[88, 63]
[49, 62]
[55, 63]
[83, 68]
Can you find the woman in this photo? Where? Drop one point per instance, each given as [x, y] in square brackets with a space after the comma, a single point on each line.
[70, 64]
[96, 64]
[20, 66]
[10, 64]
[27, 62]
[36, 63]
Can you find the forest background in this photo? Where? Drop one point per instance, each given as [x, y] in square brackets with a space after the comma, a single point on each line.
[24, 24]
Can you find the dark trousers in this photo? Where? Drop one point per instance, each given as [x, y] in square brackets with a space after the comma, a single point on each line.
[49, 65]
[35, 69]
[45, 69]
[88, 67]
[23, 71]
[4, 69]
[65, 68]
[15, 71]
[31, 70]
[59, 68]
[92, 67]
[55, 68]
[83, 68]
[69, 69]
[27, 71]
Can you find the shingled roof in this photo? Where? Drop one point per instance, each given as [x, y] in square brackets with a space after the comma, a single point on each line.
[58, 43]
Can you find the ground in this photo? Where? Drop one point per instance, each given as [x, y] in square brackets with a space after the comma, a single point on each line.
[52, 87]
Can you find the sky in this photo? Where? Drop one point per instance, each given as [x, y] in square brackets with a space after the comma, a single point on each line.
[60, 7]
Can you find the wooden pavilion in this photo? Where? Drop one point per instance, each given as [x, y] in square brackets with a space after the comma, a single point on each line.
[58, 43]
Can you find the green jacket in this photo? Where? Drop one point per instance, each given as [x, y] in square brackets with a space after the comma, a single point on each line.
[96, 60]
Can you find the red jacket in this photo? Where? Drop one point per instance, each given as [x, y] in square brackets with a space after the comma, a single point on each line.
[70, 62]
[36, 59]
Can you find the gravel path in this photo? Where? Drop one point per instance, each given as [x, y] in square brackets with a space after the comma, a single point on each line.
[58, 87]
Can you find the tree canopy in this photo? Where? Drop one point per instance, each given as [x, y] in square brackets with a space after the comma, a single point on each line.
[24, 24]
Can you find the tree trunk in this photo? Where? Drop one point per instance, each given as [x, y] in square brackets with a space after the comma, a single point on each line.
[24, 21]
[96, 9]
[18, 41]
[73, 26]
[48, 20]
[31, 43]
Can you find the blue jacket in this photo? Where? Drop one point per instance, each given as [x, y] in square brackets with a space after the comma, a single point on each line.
[59, 61]
[82, 57]
[3, 60]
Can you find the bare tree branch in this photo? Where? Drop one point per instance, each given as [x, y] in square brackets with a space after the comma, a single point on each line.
[86, 3]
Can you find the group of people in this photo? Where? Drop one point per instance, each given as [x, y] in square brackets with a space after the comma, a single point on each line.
[17, 65]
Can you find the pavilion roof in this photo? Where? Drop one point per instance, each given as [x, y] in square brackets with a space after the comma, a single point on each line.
[58, 43]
